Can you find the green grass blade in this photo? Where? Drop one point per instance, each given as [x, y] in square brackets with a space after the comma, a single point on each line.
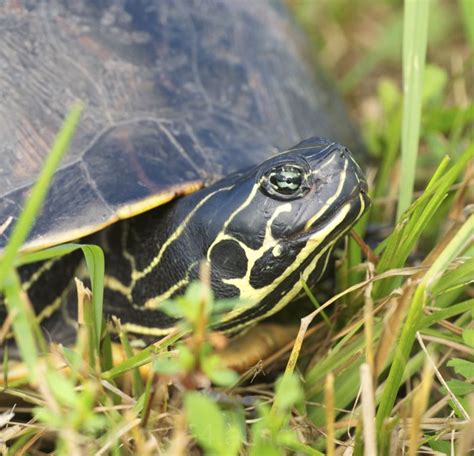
[414, 317]
[467, 9]
[38, 193]
[415, 37]
[143, 357]
[316, 304]
[95, 265]
[457, 278]
[449, 253]
[449, 312]
[21, 323]
[415, 221]
[137, 383]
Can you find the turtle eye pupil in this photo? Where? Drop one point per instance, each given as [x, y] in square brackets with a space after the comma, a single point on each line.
[286, 180]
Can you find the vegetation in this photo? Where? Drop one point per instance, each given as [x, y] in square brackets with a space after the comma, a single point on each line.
[394, 370]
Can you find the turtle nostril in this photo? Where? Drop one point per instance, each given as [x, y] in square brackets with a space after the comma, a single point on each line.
[363, 187]
[344, 152]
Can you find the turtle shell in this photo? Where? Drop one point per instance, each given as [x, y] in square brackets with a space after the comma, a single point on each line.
[176, 94]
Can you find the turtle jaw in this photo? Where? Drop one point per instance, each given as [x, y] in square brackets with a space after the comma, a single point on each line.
[354, 205]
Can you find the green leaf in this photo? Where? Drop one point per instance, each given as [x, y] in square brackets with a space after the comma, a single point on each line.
[389, 95]
[62, 388]
[434, 82]
[468, 337]
[209, 426]
[167, 366]
[288, 392]
[73, 358]
[223, 306]
[214, 368]
[172, 308]
[223, 377]
[186, 357]
[265, 448]
[462, 367]
[440, 445]
[46, 416]
[459, 388]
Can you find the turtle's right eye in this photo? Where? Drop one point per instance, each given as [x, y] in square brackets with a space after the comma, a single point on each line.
[286, 181]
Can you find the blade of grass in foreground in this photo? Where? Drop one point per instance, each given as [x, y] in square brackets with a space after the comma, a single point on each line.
[95, 266]
[23, 322]
[413, 320]
[415, 221]
[415, 35]
[33, 203]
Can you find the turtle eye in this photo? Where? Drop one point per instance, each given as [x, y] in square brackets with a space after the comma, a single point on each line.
[286, 181]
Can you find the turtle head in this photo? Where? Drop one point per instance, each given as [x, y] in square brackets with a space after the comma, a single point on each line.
[261, 230]
[278, 222]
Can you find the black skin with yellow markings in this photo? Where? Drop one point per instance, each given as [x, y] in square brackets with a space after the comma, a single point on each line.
[261, 230]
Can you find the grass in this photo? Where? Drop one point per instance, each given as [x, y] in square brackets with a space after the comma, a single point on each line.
[391, 374]
[415, 34]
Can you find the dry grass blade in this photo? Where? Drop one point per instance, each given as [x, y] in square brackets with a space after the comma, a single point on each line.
[441, 379]
[5, 225]
[419, 406]
[117, 435]
[392, 324]
[466, 439]
[330, 415]
[368, 252]
[368, 410]
[369, 322]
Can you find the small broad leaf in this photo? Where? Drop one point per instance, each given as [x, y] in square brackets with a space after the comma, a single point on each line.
[172, 308]
[462, 367]
[459, 388]
[46, 416]
[185, 357]
[289, 391]
[73, 358]
[167, 366]
[209, 426]
[196, 295]
[441, 446]
[224, 305]
[263, 447]
[434, 82]
[62, 388]
[389, 95]
[223, 377]
[213, 367]
[468, 337]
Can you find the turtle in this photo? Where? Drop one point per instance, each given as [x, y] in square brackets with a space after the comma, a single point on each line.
[207, 137]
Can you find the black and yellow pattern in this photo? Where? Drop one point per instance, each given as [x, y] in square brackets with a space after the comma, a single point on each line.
[184, 103]
[261, 230]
